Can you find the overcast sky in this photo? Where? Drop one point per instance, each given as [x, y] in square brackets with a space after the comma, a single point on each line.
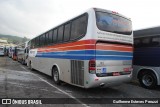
[32, 17]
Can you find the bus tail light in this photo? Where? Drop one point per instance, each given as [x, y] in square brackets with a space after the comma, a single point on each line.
[92, 66]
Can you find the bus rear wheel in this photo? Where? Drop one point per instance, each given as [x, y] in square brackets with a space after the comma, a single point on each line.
[30, 66]
[55, 75]
[148, 80]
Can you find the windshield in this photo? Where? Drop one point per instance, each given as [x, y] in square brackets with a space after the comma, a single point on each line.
[113, 23]
[1, 49]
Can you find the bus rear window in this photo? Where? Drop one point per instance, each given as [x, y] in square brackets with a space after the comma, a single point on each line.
[113, 23]
[1, 49]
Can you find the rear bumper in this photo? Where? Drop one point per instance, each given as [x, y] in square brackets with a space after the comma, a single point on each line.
[107, 81]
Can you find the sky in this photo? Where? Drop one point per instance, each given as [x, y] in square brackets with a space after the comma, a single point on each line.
[30, 18]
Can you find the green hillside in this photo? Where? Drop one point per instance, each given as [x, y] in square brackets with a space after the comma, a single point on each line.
[13, 39]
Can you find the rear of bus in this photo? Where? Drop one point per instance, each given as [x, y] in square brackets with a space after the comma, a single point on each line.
[111, 62]
[14, 53]
[1, 51]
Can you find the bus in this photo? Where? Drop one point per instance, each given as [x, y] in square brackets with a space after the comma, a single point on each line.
[94, 49]
[22, 53]
[147, 57]
[1, 51]
[10, 52]
[14, 53]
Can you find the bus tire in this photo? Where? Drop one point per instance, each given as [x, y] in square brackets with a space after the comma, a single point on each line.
[55, 75]
[30, 66]
[148, 79]
[23, 62]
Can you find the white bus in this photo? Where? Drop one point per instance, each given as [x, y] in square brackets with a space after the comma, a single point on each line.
[91, 50]
[1, 51]
[22, 53]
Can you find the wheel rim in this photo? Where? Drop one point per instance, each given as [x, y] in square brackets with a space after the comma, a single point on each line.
[55, 75]
[147, 80]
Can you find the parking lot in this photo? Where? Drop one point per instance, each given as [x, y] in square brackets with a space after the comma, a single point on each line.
[17, 81]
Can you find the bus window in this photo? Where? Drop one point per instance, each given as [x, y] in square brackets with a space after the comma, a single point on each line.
[55, 36]
[79, 27]
[145, 42]
[44, 39]
[67, 32]
[155, 41]
[41, 40]
[50, 37]
[47, 38]
[60, 34]
[137, 43]
[113, 23]
[38, 41]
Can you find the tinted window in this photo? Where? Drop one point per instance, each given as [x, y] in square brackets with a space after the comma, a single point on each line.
[41, 40]
[67, 32]
[79, 27]
[147, 42]
[137, 42]
[60, 34]
[47, 39]
[50, 36]
[44, 39]
[55, 36]
[37, 41]
[113, 23]
[33, 43]
[155, 41]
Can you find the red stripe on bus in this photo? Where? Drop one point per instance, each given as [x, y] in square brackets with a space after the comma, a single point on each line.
[115, 48]
[85, 44]
[59, 47]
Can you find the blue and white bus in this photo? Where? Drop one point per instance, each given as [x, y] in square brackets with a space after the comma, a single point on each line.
[147, 57]
[91, 50]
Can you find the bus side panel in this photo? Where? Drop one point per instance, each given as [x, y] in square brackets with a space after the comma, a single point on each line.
[147, 56]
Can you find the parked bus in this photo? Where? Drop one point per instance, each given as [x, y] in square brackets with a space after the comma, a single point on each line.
[1, 51]
[22, 53]
[147, 57]
[91, 50]
[14, 53]
[6, 50]
[10, 52]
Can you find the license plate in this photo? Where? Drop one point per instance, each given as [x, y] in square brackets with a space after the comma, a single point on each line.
[116, 74]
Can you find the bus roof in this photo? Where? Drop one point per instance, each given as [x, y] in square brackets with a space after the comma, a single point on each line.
[147, 32]
[112, 12]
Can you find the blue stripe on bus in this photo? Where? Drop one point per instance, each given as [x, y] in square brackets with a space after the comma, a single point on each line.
[87, 55]
[91, 52]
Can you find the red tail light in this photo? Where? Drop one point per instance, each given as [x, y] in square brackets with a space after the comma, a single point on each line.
[92, 66]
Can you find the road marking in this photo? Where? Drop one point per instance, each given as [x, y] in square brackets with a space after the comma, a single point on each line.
[57, 88]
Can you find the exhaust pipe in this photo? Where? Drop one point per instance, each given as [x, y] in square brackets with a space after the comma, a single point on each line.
[102, 84]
